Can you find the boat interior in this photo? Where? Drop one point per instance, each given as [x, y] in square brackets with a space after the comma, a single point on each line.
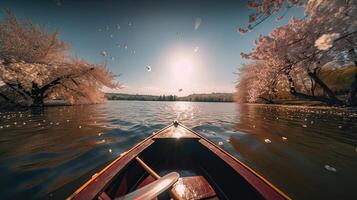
[202, 174]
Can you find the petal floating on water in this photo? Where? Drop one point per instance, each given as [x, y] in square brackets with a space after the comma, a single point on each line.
[267, 141]
[329, 168]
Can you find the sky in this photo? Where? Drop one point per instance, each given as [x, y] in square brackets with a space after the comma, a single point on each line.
[189, 46]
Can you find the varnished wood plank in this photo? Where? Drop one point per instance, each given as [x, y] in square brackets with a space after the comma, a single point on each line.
[194, 187]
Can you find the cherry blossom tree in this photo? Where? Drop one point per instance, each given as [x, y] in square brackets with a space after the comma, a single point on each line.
[264, 9]
[258, 82]
[304, 46]
[34, 67]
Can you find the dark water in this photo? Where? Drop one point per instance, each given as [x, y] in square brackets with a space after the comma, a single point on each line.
[308, 153]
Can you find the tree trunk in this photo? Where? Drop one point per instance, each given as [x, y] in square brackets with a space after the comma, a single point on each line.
[38, 101]
[326, 89]
[305, 96]
[351, 96]
[313, 87]
[37, 95]
[268, 101]
[5, 97]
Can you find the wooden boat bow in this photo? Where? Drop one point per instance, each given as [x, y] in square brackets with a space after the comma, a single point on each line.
[206, 171]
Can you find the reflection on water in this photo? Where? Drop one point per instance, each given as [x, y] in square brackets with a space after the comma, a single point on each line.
[308, 153]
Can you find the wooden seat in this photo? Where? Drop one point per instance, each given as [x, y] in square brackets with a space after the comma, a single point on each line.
[194, 187]
[153, 189]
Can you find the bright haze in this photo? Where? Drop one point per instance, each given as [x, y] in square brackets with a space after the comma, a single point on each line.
[157, 47]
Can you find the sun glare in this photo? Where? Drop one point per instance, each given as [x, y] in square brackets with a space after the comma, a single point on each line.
[183, 64]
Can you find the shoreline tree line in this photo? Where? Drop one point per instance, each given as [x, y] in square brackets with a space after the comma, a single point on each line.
[213, 97]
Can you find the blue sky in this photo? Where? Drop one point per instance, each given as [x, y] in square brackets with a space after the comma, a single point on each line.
[163, 36]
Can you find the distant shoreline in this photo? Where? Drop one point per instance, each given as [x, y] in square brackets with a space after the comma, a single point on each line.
[212, 97]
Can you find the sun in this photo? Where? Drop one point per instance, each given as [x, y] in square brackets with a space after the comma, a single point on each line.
[183, 67]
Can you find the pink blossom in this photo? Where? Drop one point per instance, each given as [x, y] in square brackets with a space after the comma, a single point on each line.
[325, 42]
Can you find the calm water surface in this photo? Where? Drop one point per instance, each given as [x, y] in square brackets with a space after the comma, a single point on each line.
[310, 153]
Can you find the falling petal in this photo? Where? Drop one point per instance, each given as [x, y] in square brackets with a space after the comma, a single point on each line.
[340, 126]
[196, 49]
[110, 150]
[220, 143]
[197, 23]
[304, 125]
[228, 140]
[104, 53]
[329, 168]
[67, 120]
[148, 68]
[267, 141]
[284, 138]
[1, 127]
[79, 126]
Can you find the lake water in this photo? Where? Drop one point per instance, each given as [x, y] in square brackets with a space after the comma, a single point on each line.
[309, 153]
